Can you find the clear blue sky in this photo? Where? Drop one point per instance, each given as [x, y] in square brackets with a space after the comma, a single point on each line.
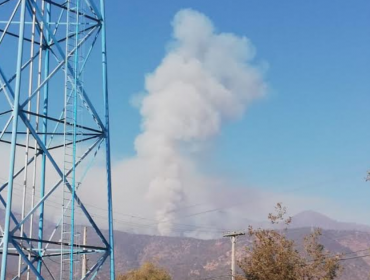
[313, 127]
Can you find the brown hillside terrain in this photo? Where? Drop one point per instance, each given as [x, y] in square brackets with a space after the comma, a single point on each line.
[196, 259]
[192, 259]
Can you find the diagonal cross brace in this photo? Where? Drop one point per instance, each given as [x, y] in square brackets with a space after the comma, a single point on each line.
[25, 268]
[44, 149]
[5, 30]
[92, 5]
[25, 258]
[62, 54]
[55, 70]
[12, 216]
[96, 267]
[17, 227]
[3, 87]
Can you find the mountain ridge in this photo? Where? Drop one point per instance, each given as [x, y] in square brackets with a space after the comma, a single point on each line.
[188, 258]
[310, 218]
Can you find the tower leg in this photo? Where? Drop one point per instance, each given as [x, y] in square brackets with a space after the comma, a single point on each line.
[6, 237]
[107, 139]
[44, 138]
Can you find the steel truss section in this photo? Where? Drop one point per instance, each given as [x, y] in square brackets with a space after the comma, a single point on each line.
[54, 123]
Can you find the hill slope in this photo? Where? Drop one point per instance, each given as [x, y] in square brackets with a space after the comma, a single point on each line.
[195, 259]
[188, 258]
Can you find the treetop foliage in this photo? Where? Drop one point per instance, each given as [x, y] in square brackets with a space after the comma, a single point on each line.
[272, 256]
[148, 271]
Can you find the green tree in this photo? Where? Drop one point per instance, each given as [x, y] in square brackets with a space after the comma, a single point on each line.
[148, 271]
[272, 256]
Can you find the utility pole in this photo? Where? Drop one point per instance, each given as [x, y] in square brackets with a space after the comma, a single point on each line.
[84, 256]
[233, 236]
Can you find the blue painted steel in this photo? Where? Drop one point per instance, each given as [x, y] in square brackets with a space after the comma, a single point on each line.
[6, 127]
[44, 152]
[88, 53]
[25, 258]
[62, 54]
[75, 94]
[95, 8]
[12, 216]
[83, 208]
[46, 38]
[6, 236]
[52, 73]
[100, 264]
[107, 139]
[54, 49]
[17, 173]
[24, 269]
[9, 21]
[2, 88]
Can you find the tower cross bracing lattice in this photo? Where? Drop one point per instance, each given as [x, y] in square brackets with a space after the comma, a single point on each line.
[54, 124]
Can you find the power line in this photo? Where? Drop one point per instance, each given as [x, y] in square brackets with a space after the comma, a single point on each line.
[155, 222]
[187, 226]
[250, 200]
[166, 220]
[355, 257]
[53, 204]
[49, 203]
[184, 226]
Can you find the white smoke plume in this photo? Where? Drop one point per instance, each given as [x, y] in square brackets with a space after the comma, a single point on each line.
[205, 79]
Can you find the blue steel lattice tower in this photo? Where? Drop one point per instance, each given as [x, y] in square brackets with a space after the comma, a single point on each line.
[54, 123]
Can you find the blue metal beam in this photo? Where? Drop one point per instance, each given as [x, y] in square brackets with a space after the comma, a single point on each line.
[8, 209]
[46, 152]
[89, 52]
[12, 216]
[75, 94]
[25, 258]
[24, 269]
[44, 138]
[97, 265]
[55, 70]
[9, 21]
[48, 37]
[70, 69]
[18, 172]
[6, 127]
[107, 140]
[92, 5]
[83, 208]
[4, 85]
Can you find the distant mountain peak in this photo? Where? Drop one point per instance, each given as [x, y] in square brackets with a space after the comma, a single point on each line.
[310, 218]
[312, 215]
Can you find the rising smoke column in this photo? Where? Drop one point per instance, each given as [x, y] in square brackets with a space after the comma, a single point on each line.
[204, 79]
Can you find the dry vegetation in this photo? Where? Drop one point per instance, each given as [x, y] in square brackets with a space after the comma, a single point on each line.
[272, 256]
